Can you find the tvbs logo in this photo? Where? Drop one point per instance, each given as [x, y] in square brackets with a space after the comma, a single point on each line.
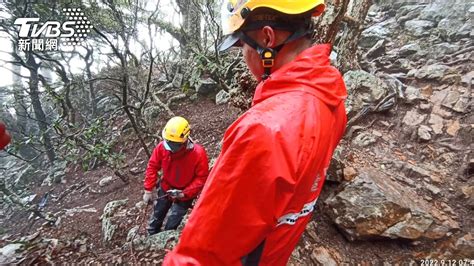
[36, 36]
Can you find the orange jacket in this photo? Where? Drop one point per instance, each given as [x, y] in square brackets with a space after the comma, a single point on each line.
[262, 190]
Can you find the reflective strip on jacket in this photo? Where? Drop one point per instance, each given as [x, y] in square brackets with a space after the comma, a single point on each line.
[186, 170]
[262, 190]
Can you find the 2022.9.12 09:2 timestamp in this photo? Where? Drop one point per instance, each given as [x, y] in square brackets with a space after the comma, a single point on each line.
[435, 262]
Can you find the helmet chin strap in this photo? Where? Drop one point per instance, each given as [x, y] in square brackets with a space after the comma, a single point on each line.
[267, 54]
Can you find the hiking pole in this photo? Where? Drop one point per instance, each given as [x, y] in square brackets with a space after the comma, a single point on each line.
[174, 192]
[164, 196]
[171, 192]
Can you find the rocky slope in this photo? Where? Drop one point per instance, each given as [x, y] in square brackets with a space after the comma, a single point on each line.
[405, 166]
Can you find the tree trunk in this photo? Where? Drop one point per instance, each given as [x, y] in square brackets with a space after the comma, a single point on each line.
[92, 95]
[19, 100]
[327, 26]
[355, 17]
[191, 14]
[126, 108]
[352, 13]
[193, 27]
[125, 79]
[38, 108]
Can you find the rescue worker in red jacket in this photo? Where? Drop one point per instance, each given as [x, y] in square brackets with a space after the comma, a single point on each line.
[4, 136]
[185, 169]
[261, 193]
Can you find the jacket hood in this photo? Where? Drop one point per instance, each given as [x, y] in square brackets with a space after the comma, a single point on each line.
[310, 72]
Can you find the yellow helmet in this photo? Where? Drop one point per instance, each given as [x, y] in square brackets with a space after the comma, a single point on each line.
[240, 16]
[234, 12]
[177, 129]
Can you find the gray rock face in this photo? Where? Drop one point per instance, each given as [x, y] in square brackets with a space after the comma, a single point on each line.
[434, 71]
[335, 170]
[377, 50]
[401, 65]
[440, 50]
[325, 256]
[468, 191]
[206, 86]
[408, 12]
[457, 99]
[433, 12]
[222, 97]
[106, 181]
[160, 241]
[464, 246]
[413, 118]
[409, 49]
[163, 240]
[418, 27]
[436, 123]
[56, 175]
[108, 228]
[363, 88]
[412, 94]
[153, 112]
[372, 35]
[450, 27]
[439, 9]
[456, 247]
[177, 80]
[424, 133]
[466, 30]
[372, 206]
[7, 253]
[434, 190]
[412, 172]
[26, 175]
[112, 207]
[132, 233]
[468, 79]
[364, 139]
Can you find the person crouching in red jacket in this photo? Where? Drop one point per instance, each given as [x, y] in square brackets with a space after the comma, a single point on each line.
[184, 168]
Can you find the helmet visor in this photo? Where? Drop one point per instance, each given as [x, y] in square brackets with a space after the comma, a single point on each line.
[229, 41]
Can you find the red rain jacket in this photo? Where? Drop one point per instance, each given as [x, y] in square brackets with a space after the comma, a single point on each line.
[4, 136]
[186, 169]
[263, 187]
